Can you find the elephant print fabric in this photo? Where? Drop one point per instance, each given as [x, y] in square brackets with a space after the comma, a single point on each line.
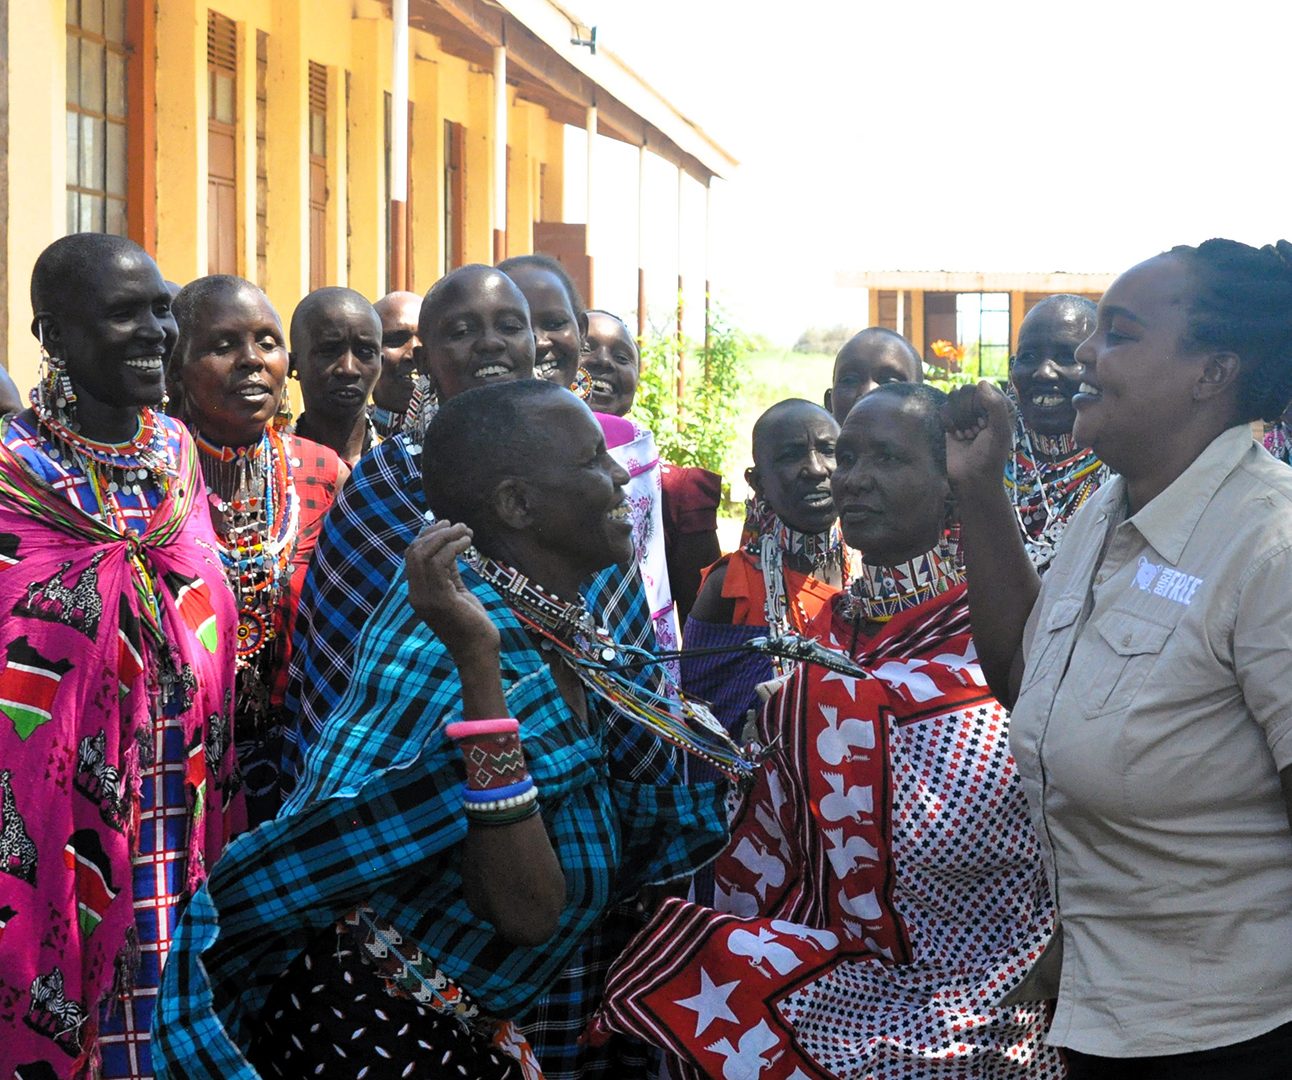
[882, 890]
[111, 644]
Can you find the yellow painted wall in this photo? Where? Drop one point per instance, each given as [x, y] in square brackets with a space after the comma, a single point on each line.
[426, 165]
[343, 35]
[37, 206]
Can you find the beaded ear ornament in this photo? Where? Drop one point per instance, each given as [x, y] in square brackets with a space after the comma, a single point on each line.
[53, 395]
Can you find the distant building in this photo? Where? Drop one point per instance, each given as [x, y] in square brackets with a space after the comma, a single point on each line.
[257, 137]
[963, 307]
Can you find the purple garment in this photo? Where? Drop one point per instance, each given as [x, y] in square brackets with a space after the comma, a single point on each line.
[727, 681]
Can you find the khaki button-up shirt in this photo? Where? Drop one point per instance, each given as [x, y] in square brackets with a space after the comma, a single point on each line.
[1154, 717]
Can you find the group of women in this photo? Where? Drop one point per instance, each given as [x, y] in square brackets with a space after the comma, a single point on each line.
[360, 747]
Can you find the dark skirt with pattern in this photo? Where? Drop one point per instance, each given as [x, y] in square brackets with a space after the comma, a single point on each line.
[338, 1012]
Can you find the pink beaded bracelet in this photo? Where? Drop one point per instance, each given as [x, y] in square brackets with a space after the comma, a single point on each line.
[465, 729]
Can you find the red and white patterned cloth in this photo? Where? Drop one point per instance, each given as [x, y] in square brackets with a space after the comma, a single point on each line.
[881, 893]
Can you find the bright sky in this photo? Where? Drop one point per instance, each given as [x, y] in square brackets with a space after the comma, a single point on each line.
[944, 134]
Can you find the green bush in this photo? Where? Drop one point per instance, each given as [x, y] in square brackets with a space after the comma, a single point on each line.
[697, 431]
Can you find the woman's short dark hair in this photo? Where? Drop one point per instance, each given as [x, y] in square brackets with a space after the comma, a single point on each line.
[1243, 305]
[477, 439]
[927, 402]
[191, 299]
[546, 262]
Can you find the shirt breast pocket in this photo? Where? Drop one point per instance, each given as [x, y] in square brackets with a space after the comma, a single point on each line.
[1125, 651]
[1048, 641]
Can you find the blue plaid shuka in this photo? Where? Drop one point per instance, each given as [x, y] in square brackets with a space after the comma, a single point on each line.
[378, 513]
[377, 819]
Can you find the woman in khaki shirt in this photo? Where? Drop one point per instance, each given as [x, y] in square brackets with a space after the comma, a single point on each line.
[1152, 672]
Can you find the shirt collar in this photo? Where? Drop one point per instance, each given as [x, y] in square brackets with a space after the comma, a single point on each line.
[1169, 520]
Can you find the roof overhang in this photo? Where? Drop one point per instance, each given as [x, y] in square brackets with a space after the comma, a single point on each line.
[546, 68]
[1057, 281]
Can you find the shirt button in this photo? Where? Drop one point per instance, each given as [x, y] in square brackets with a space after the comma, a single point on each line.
[1126, 639]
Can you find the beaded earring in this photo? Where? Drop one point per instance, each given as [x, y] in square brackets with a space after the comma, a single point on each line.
[283, 416]
[53, 394]
[582, 385]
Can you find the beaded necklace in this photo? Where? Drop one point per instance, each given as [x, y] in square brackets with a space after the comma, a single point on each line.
[385, 421]
[770, 539]
[1048, 479]
[569, 629]
[111, 469]
[250, 488]
[880, 592]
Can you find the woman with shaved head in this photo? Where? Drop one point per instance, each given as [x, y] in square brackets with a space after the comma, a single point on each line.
[1048, 476]
[428, 912]
[116, 672]
[267, 492]
[791, 561]
[881, 898]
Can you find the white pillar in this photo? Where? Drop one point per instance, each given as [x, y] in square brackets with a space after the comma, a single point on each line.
[399, 270]
[641, 241]
[399, 105]
[500, 139]
[590, 124]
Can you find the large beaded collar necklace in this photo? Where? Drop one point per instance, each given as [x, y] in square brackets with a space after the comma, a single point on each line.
[569, 629]
[767, 537]
[1049, 478]
[878, 593]
[111, 469]
[258, 516]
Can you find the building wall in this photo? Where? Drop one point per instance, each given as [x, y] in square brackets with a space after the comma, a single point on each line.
[345, 36]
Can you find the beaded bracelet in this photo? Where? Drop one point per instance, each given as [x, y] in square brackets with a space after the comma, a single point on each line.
[520, 802]
[491, 752]
[494, 796]
[505, 817]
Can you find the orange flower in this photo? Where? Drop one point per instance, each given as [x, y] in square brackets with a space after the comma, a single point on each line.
[952, 356]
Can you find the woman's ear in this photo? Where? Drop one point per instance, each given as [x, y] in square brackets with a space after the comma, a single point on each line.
[513, 504]
[582, 320]
[751, 478]
[45, 329]
[1218, 374]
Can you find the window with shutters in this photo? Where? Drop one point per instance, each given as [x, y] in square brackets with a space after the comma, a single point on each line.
[318, 176]
[222, 145]
[97, 155]
[455, 209]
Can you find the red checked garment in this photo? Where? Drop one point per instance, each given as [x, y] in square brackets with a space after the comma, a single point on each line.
[882, 887]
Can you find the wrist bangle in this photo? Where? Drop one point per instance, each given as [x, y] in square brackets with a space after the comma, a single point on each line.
[529, 795]
[504, 817]
[491, 752]
[476, 796]
[465, 729]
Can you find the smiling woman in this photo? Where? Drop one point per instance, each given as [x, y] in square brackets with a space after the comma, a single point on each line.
[884, 877]
[557, 315]
[116, 628]
[267, 492]
[450, 908]
[1151, 671]
[1048, 476]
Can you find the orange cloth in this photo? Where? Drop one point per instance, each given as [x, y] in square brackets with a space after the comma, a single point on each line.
[744, 585]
